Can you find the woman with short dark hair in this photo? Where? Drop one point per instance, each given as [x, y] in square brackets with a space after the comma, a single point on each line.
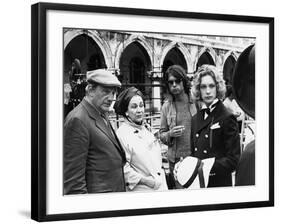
[143, 169]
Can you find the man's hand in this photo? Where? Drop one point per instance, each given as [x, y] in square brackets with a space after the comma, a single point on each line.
[177, 131]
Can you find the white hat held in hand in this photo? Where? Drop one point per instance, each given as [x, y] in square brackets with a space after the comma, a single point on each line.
[193, 173]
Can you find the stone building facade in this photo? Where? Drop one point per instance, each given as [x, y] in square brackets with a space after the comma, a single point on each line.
[140, 59]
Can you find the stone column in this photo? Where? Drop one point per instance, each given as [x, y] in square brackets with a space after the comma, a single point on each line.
[156, 90]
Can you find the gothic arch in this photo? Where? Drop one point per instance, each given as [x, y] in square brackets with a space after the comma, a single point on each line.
[182, 49]
[133, 38]
[228, 54]
[208, 50]
[104, 47]
[229, 61]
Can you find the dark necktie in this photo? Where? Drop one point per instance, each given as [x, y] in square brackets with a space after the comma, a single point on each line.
[113, 135]
[206, 110]
[107, 123]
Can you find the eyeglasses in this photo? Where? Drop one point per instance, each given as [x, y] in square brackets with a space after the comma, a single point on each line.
[177, 81]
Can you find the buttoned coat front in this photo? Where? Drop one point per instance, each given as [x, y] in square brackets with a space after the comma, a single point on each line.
[143, 156]
[217, 136]
[93, 156]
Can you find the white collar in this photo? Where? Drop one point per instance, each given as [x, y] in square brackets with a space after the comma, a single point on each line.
[204, 106]
[211, 107]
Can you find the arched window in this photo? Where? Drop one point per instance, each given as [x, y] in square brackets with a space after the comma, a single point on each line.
[137, 72]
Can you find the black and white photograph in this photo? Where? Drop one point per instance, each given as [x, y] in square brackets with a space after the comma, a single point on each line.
[140, 111]
[149, 112]
[136, 111]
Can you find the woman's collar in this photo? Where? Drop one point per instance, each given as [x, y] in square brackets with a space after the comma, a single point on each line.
[133, 124]
[204, 106]
[138, 126]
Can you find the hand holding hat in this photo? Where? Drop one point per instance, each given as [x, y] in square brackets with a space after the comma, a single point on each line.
[176, 168]
[191, 172]
[157, 182]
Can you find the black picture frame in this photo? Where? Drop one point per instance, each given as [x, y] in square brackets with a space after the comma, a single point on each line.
[39, 109]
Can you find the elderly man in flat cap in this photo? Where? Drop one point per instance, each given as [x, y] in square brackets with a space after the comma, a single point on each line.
[93, 156]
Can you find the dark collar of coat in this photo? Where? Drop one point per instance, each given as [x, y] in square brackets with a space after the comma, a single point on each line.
[92, 110]
[96, 115]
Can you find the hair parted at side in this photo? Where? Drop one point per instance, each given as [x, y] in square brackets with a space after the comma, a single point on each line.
[178, 72]
[217, 77]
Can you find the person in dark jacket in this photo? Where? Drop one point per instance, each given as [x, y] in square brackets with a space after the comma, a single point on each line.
[93, 156]
[244, 89]
[214, 130]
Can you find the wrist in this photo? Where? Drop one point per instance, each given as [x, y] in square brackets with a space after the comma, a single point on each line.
[169, 133]
[149, 181]
[153, 183]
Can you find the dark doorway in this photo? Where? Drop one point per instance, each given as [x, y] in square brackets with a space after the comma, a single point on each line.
[205, 58]
[228, 69]
[174, 57]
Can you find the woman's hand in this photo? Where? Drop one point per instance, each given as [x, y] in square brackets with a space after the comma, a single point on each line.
[176, 168]
[177, 131]
[151, 182]
[237, 114]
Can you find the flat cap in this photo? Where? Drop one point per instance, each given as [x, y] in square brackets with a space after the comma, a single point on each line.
[103, 77]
